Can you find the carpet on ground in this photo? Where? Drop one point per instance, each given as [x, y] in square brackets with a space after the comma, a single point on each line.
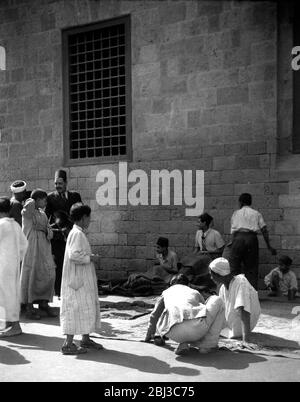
[274, 335]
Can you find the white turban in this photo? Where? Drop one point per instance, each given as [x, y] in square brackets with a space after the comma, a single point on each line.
[220, 266]
[18, 186]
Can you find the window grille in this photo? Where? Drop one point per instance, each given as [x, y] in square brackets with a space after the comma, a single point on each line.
[97, 112]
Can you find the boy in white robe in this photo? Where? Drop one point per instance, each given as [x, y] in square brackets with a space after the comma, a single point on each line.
[80, 308]
[13, 245]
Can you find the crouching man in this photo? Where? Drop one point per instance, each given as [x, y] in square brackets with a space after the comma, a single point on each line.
[181, 314]
[242, 308]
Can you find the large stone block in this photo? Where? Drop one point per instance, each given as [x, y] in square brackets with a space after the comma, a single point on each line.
[236, 57]
[125, 252]
[232, 95]
[247, 162]
[131, 227]
[263, 51]
[193, 63]
[235, 149]
[110, 238]
[136, 239]
[257, 148]
[221, 189]
[195, 26]
[286, 228]
[259, 91]
[289, 201]
[8, 91]
[290, 242]
[210, 7]
[224, 163]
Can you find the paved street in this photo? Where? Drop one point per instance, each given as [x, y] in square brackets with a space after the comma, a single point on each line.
[35, 356]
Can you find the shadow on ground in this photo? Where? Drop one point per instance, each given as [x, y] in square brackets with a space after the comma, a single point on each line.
[11, 357]
[143, 363]
[35, 342]
[272, 341]
[221, 360]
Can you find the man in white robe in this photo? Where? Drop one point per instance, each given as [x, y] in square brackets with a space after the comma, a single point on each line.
[13, 245]
[242, 307]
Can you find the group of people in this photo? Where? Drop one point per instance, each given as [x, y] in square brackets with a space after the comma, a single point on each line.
[44, 251]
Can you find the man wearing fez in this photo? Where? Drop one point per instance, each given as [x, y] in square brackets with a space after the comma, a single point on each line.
[59, 203]
[18, 189]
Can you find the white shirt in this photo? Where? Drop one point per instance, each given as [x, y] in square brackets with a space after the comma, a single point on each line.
[180, 303]
[213, 240]
[239, 294]
[247, 218]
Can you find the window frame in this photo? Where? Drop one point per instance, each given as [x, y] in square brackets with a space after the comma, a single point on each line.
[68, 161]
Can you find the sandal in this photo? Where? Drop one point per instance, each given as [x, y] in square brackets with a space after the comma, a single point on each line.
[72, 350]
[91, 345]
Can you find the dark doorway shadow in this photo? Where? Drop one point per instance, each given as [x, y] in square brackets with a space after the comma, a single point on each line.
[11, 357]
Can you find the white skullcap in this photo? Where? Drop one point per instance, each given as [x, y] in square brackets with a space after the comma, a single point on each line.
[220, 266]
[18, 186]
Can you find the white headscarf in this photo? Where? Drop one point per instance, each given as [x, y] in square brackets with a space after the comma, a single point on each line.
[220, 266]
[18, 186]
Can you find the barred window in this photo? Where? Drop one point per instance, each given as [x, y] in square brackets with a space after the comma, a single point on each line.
[97, 104]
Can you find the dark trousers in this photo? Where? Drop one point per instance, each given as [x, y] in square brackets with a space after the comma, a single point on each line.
[58, 250]
[243, 256]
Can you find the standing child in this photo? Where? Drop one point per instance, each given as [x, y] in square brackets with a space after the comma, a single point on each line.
[13, 244]
[282, 280]
[38, 268]
[80, 308]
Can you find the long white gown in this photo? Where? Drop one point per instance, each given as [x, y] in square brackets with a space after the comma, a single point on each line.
[13, 245]
[80, 308]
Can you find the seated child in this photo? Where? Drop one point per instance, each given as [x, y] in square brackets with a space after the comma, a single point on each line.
[281, 280]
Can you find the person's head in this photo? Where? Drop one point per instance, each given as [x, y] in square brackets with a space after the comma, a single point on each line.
[220, 270]
[204, 221]
[179, 279]
[81, 215]
[245, 199]
[5, 206]
[18, 188]
[60, 181]
[162, 245]
[40, 198]
[285, 263]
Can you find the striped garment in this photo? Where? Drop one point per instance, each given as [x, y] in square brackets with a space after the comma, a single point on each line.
[80, 308]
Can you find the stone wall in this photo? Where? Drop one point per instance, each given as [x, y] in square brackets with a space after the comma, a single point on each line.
[204, 96]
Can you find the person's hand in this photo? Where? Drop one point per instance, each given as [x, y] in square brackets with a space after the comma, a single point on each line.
[273, 251]
[95, 258]
[247, 345]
